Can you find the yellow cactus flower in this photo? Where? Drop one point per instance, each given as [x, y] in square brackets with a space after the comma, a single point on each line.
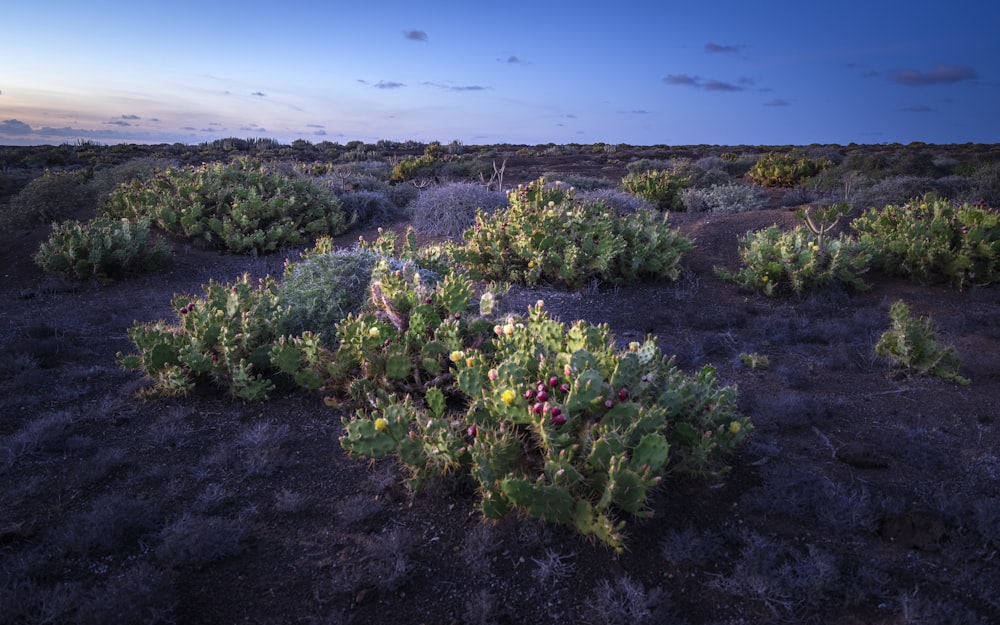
[457, 356]
[508, 397]
[381, 424]
[374, 332]
[735, 427]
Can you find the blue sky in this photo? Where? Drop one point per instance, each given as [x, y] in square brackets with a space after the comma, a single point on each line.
[642, 73]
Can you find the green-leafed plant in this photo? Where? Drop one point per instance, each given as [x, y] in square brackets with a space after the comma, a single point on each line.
[554, 422]
[403, 340]
[822, 220]
[776, 262]
[223, 338]
[660, 187]
[102, 249]
[911, 343]
[548, 235]
[240, 207]
[932, 240]
[754, 361]
[777, 169]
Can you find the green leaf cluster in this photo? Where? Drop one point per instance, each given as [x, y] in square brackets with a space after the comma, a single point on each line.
[239, 207]
[912, 343]
[778, 169]
[225, 337]
[660, 187]
[550, 421]
[777, 262]
[548, 235]
[931, 240]
[103, 249]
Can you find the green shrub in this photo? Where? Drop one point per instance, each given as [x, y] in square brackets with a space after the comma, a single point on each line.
[911, 343]
[240, 207]
[659, 187]
[931, 240]
[778, 262]
[53, 196]
[558, 424]
[548, 234]
[776, 169]
[225, 338]
[102, 248]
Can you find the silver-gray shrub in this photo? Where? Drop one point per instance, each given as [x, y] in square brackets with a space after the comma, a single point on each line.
[579, 181]
[899, 190]
[53, 196]
[324, 288]
[369, 208]
[732, 197]
[615, 199]
[449, 209]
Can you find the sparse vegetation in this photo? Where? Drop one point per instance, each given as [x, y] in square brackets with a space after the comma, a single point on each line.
[857, 496]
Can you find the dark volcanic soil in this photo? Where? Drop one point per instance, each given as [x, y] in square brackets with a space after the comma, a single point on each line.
[862, 496]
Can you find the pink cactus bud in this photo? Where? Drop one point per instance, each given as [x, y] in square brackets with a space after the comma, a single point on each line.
[558, 420]
[472, 431]
[622, 394]
[553, 381]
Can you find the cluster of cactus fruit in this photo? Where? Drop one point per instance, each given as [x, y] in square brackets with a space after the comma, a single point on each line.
[556, 423]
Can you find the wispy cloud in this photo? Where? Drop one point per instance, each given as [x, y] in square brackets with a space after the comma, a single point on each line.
[132, 117]
[635, 112]
[382, 84]
[118, 122]
[716, 48]
[777, 102]
[415, 35]
[259, 94]
[940, 75]
[709, 84]
[917, 108]
[512, 60]
[456, 87]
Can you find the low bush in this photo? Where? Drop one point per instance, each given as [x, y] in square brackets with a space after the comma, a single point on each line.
[323, 288]
[53, 196]
[240, 207]
[659, 187]
[368, 208]
[931, 240]
[777, 262]
[449, 209]
[223, 338]
[548, 235]
[102, 249]
[615, 199]
[558, 423]
[580, 182]
[776, 169]
[911, 343]
[733, 197]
